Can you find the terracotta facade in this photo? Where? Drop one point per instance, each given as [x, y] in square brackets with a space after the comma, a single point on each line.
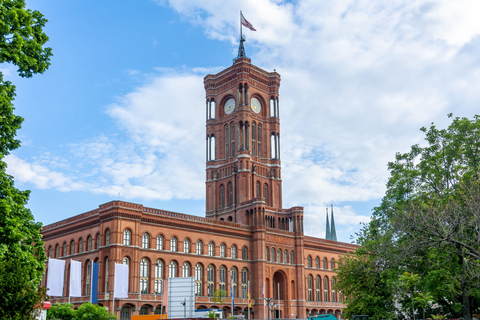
[247, 240]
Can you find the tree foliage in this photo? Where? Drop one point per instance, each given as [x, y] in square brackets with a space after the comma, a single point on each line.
[428, 221]
[86, 311]
[22, 255]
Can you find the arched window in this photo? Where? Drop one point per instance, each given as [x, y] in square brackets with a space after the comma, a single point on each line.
[254, 140]
[234, 282]
[211, 249]
[230, 194]
[332, 264]
[89, 243]
[106, 274]
[80, 245]
[309, 288]
[279, 255]
[325, 263]
[97, 242]
[57, 251]
[222, 196]
[285, 256]
[210, 280]
[127, 237]
[272, 255]
[232, 138]
[159, 242]
[107, 237]
[173, 244]
[186, 269]
[222, 250]
[186, 245]
[334, 297]
[172, 269]
[317, 288]
[146, 240]
[64, 249]
[244, 253]
[257, 189]
[126, 261]
[227, 142]
[317, 262]
[72, 247]
[325, 289]
[144, 276]
[259, 140]
[234, 252]
[309, 262]
[244, 283]
[199, 247]
[158, 276]
[88, 278]
[198, 280]
[266, 254]
[265, 193]
[221, 278]
[291, 257]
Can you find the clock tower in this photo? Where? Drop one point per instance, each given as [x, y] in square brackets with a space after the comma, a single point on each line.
[243, 172]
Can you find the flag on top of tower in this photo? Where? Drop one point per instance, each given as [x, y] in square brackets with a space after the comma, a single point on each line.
[246, 23]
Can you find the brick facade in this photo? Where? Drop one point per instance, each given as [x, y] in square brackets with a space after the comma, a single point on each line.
[246, 232]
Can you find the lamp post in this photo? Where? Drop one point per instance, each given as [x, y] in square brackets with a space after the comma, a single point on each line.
[184, 303]
[269, 301]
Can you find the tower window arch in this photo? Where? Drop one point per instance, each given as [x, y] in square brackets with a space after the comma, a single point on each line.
[254, 140]
[265, 193]
[259, 140]
[257, 189]
[230, 194]
[227, 141]
[222, 196]
[232, 138]
[107, 237]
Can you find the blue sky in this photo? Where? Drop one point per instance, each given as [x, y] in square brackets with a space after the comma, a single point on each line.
[120, 113]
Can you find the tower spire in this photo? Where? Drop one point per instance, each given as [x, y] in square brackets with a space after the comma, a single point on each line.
[333, 233]
[327, 232]
[241, 48]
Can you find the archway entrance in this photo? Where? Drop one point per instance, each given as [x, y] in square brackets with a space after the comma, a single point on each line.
[280, 295]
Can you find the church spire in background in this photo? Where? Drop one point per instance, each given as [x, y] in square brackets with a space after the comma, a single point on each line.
[327, 232]
[333, 233]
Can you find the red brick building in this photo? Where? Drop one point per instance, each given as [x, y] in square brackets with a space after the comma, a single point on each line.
[245, 238]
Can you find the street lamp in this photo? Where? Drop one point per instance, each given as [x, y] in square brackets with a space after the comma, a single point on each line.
[269, 301]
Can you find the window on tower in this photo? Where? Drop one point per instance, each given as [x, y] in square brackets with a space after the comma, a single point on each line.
[232, 138]
[230, 194]
[257, 189]
[222, 196]
[254, 143]
[227, 142]
[259, 140]
[265, 193]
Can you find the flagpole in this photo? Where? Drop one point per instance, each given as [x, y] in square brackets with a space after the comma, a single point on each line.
[240, 25]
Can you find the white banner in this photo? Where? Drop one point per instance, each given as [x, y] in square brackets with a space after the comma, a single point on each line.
[55, 277]
[75, 279]
[120, 282]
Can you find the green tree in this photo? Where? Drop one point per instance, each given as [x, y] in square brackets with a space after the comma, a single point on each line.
[88, 311]
[22, 255]
[62, 311]
[365, 285]
[427, 222]
[218, 297]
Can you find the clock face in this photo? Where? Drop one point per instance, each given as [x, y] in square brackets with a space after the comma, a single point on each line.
[255, 105]
[229, 106]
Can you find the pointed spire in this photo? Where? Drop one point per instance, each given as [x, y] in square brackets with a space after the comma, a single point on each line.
[333, 233]
[241, 48]
[327, 232]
